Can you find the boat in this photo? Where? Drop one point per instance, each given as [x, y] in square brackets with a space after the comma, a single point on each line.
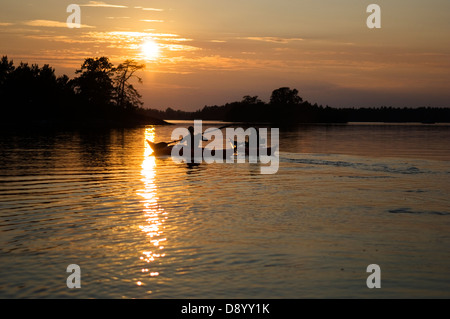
[165, 149]
[160, 149]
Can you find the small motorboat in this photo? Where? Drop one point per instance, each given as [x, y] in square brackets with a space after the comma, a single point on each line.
[160, 149]
[165, 149]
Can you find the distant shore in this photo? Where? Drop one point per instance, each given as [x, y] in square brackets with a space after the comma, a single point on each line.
[102, 95]
[305, 113]
[287, 108]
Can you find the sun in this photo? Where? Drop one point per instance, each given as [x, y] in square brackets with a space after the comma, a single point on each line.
[150, 50]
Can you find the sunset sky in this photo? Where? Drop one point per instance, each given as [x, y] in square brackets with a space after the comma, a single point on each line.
[211, 52]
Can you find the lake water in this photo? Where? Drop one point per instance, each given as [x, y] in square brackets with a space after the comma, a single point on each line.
[345, 197]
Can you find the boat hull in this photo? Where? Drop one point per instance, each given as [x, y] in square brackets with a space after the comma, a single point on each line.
[159, 149]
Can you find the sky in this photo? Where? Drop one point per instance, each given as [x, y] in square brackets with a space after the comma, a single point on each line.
[209, 52]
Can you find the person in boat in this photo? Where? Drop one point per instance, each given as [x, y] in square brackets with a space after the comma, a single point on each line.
[247, 144]
[193, 140]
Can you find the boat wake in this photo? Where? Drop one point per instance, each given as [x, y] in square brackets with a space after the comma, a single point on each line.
[379, 165]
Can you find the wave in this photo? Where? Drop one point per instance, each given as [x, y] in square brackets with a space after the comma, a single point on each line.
[379, 165]
[415, 212]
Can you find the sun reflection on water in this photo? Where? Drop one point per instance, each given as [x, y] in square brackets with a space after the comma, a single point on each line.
[155, 216]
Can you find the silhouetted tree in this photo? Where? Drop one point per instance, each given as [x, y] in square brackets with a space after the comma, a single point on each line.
[285, 96]
[6, 68]
[94, 84]
[247, 99]
[127, 97]
[99, 95]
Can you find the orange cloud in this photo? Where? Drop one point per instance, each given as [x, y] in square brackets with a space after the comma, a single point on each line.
[51, 24]
[101, 4]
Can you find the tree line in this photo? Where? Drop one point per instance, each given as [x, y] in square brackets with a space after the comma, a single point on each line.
[286, 107]
[100, 94]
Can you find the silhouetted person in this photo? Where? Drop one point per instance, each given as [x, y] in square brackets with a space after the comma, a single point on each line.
[249, 146]
[193, 141]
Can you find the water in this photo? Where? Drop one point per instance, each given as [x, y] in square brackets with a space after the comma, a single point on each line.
[345, 197]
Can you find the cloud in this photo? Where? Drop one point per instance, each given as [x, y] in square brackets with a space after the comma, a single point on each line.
[152, 9]
[273, 39]
[133, 40]
[5, 24]
[152, 20]
[51, 24]
[149, 9]
[100, 4]
[57, 38]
